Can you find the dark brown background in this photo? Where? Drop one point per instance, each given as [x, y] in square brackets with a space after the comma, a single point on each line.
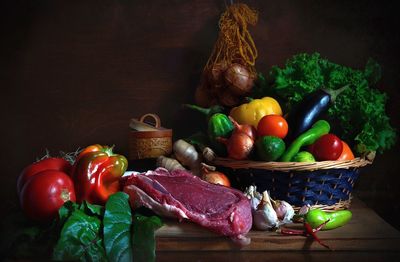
[73, 73]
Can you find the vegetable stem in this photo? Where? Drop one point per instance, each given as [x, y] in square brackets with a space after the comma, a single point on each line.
[205, 111]
[200, 109]
[333, 93]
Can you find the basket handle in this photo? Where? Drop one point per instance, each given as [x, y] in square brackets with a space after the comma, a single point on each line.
[156, 119]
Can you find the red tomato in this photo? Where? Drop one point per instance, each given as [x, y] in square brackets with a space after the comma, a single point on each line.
[327, 147]
[347, 154]
[51, 163]
[272, 125]
[44, 193]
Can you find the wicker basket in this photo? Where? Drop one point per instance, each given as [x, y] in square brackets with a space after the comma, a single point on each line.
[326, 184]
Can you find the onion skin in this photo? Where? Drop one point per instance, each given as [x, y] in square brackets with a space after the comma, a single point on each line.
[216, 177]
[216, 74]
[239, 145]
[238, 79]
[245, 128]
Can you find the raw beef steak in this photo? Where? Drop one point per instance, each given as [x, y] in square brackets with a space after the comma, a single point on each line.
[182, 195]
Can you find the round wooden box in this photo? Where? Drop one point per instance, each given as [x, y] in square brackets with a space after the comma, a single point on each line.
[148, 140]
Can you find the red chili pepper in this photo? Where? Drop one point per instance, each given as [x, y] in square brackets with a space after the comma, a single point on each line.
[96, 173]
[311, 232]
[289, 231]
[308, 231]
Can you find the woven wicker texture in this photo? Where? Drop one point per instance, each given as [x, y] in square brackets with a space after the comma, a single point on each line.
[327, 184]
[291, 166]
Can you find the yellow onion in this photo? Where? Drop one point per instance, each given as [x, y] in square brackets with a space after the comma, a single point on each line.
[245, 128]
[216, 177]
[239, 145]
[238, 79]
[216, 74]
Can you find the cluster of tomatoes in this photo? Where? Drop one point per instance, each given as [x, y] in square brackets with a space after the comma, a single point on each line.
[44, 186]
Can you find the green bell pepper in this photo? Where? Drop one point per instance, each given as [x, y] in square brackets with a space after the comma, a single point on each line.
[219, 125]
[318, 129]
[316, 217]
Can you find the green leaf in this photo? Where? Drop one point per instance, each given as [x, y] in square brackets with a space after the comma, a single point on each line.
[80, 239]
[91, 209]
[117, 228]
[144, 242]
[66, 210]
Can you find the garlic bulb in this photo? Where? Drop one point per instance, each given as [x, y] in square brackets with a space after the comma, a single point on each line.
[268, 213]
[284, 211]
[254, 196]
[264, 217]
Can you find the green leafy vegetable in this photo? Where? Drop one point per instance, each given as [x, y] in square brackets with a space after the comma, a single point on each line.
[87, 232]
[359, 111]
[117, 228]
[80, 239]
[144, 242]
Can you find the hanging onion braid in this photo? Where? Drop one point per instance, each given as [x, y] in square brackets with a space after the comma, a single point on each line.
[234, 43]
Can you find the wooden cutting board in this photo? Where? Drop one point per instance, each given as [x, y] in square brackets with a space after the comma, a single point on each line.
[365, 232]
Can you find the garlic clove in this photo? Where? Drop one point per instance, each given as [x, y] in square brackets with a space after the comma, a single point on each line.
[254, 196]
[265, 216]
[304, 209]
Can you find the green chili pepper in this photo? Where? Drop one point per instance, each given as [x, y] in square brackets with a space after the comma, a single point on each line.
[219, 125]
[318, 129]
[209, 112]
[316, 217]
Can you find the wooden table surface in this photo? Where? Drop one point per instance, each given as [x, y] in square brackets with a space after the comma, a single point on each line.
[365, 237]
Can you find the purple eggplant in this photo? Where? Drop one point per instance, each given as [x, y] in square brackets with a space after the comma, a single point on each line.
[312, 108]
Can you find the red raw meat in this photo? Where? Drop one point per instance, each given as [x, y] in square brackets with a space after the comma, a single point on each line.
[182, 195]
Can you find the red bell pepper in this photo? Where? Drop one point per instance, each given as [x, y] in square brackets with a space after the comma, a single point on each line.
[96, 173]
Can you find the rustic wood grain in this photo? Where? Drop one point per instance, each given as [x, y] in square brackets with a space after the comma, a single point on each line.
[73, 73]
[365, 232]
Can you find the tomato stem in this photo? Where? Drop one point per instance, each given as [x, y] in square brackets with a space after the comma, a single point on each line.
[65, 195]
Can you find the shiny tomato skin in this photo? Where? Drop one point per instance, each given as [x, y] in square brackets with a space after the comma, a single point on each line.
[327, 147]
[347, 154]
[272, 125]
[51, 163]
[43, 194]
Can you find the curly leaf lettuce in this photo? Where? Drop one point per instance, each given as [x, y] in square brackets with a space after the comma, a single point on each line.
[358, 112]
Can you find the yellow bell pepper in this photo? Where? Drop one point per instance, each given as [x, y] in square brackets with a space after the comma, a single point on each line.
[253, 111]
